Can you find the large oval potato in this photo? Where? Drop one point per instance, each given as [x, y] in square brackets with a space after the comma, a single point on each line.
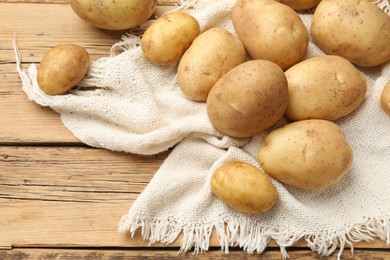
[248, 99]
[114, 15]
[165, 41]
[310, 154]
[244, 188]
[271, 31]
[300, 4]
[354, 29]
[62, 68]
[212, 54]
[385, 98]
[326, 87]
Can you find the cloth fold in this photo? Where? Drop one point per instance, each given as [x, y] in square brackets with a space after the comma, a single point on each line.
[127, 104]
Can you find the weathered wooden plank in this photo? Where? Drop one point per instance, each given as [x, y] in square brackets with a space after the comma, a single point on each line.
[159, 2]
[61, 25]
[35, 1]
[74, 196]
[166, 253]
[64, 196]
[69, 174]
[21, 120]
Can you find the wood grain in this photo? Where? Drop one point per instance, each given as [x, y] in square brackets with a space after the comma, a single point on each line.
[57, 194]
[26, 121]
[159, 2]
[157, 253]
[74, 196]
[69, 196]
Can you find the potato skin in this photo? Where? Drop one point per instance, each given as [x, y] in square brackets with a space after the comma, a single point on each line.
[271, 31]
[62, 68]
[244, 188]
[300, 5]
[385, 98]
[310, 154]
[354, 29]
[212, 54]
[325, 87]
[165, 41]
[248, 99]
[114, 15]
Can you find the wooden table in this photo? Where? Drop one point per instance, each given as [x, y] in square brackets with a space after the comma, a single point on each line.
[58, 197]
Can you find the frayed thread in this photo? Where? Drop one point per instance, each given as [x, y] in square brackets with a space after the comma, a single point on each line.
[34, 93]
[128, 41]
[132, 39]
[252, 236]
[29, 81]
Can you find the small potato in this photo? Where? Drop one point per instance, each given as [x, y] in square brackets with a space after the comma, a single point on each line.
[354, 29]
[325, 87]
[244, 188]
[212, 54]
[166, 40]
[114, 15]
[62, 68]
[310, 154]
[248, 99]
[271, 31]
[300, 5]
[385, 98]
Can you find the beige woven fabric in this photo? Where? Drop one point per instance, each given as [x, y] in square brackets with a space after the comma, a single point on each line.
[127, 104]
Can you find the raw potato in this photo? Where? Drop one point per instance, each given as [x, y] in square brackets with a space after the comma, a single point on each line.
[248, 99]
[62, 68]
[310, 154]
[271, 31]
[211, 55]
[354, 29]
[114, 15]
[244, 188]
[325, 87]
[300, 4]
[385, 98]
[166, 40]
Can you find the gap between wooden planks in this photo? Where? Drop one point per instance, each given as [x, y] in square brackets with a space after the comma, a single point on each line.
[157, 253]
[52, 195]
[74, 196]
[26, 121]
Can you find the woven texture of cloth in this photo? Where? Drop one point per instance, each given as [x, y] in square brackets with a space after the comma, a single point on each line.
[127, 104]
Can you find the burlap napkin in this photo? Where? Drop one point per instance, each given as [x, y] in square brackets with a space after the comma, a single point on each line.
[127, 104]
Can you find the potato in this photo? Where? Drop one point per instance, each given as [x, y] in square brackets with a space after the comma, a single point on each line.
[212, 54]
[385, 98]
[62, 68]
[354, 29]
[165, 41]
[248, 99]
[326, 87]
[300, 4]
[310, 154]
[271, 31]
[244, 188]
[114, 15]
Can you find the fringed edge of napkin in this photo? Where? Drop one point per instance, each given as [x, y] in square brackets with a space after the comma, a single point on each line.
[93, 80]
[252, 236]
